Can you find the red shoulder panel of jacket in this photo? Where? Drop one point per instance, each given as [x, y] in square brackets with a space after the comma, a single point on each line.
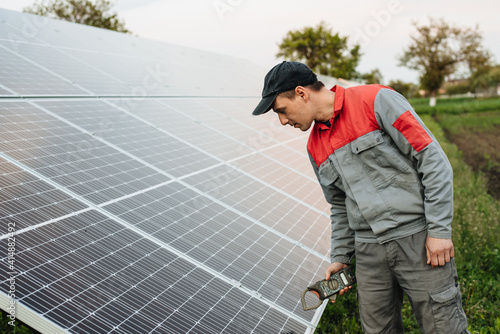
[411, 129]
[354, 117]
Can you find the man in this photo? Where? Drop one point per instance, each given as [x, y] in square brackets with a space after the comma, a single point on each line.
[390, 187]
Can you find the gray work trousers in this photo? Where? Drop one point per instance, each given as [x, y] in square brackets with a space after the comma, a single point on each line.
[385, 271]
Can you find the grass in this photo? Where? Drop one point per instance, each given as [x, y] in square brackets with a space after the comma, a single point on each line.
[476, 228]
[456, 105]
[477, 137]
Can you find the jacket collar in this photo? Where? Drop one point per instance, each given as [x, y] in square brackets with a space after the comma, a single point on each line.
[338, 104]
[339, 99]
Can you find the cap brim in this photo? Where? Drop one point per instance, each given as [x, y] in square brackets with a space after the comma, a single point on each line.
[264, 105]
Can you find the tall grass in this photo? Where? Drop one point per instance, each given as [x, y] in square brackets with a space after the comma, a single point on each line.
[476, 228]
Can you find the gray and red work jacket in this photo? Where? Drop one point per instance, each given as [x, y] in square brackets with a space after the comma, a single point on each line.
[380, 168]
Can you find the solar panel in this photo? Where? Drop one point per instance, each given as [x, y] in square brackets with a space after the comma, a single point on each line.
[142, 194]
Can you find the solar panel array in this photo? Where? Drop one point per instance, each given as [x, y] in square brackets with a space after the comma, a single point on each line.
[142, 195]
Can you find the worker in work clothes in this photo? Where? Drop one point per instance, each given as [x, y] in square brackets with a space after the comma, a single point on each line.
[390, 186]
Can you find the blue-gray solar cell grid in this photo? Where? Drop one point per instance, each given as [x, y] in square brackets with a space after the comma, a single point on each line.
[26, 78]
[90, 274]
[25, 199]
[145, 197]
[71, 158]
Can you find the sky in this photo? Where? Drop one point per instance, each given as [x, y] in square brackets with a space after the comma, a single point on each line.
[252, 29]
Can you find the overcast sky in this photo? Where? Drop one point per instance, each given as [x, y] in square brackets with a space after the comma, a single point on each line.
[251, 29]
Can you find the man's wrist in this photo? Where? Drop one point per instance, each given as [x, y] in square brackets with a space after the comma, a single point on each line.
[340, 258]
[439, 235]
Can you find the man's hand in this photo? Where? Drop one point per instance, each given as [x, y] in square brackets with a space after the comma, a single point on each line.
[333, 268]
[439, 251]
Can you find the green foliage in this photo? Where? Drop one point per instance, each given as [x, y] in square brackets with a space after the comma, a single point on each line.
[459, 88]
[406, 89]
[324, 52]
[485, 77]
[469, 122]
[438, 48]
[372, 77]
[476, 226]
[92, 13]
[18, 328]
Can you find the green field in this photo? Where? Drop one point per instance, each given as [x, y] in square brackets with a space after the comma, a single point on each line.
[460, 105]
[469, 132]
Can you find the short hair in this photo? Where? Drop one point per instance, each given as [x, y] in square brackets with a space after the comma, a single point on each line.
[290, 94]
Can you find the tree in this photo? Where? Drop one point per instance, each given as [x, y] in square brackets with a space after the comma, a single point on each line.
[407, 89]
[92, 13]
[324, 52]
[437, 50]
[373, 77]
[487, 77]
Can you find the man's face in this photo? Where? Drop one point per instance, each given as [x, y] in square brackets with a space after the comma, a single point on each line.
[293, 112]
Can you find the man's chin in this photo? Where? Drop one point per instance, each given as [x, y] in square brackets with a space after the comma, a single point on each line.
[304, 128]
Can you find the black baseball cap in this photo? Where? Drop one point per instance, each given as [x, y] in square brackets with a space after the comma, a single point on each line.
[281, 78]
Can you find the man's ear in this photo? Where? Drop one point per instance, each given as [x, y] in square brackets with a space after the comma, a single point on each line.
[301, 93]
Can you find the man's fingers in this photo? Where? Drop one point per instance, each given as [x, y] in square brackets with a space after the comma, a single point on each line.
[333, 268]
[434, 261]
[341, 292]
[447, 257]
[344, 290]
[441, 259]
[439, 251]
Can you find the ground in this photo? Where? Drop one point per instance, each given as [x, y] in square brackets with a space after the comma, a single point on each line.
[477, 136]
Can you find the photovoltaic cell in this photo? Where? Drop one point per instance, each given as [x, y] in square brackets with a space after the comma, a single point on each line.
[288, 155]
[54, 290]
[145, 197]
[261, 203]
[179, 119]
[215, 236]
[75, 71]
[26, 200]
[4, 92]
[68, 156]
[299, 185]
[26, 78]
[267, 128]
[141, 139]
[239, 130]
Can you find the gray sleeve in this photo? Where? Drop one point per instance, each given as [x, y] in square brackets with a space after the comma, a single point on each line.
[397, 118]
[342, 238]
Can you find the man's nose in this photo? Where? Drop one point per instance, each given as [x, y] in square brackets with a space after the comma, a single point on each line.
[283, 119]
